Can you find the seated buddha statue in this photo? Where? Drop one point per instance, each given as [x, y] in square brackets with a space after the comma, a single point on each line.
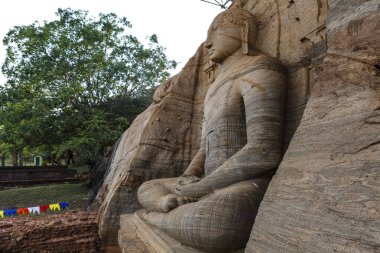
[212, 206]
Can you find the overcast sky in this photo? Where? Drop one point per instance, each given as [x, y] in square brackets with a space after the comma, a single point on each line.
[181, 25]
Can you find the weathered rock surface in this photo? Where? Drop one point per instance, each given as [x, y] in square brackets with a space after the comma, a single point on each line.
[325, 196]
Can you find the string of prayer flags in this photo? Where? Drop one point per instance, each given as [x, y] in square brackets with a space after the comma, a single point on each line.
[34, 210]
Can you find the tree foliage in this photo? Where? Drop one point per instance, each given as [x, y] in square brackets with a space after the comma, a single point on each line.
[65, 78]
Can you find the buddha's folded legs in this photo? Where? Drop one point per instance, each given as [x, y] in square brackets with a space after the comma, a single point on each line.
[219, 222]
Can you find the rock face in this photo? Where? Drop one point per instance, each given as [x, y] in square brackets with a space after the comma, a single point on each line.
[325, 196]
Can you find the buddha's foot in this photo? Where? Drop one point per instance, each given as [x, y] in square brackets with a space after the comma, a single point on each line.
[172, 201]
[169, 202]
[153, 218]
[185, 200]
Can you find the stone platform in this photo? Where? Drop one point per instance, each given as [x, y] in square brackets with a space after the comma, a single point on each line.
[136, 236]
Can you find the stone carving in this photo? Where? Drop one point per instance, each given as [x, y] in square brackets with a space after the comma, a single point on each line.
[212, 206]
[160, 143]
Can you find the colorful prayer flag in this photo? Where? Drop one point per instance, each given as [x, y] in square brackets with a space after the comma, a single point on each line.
[34, 210]
[10, 212]
[22, 211]
[44, 208]
[64, 205]
[54, 207]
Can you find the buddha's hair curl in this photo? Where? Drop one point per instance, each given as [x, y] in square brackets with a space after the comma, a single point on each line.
[241, 18]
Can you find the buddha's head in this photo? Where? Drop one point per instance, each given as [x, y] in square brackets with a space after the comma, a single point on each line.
[231, 30]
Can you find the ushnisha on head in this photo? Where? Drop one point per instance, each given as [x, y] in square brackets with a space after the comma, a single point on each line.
[231, 30]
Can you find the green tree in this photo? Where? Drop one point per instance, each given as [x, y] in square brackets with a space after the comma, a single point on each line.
[65, 77]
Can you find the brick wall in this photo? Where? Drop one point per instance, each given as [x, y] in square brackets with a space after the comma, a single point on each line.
[32, 175]
[35, 173]
[73, 231]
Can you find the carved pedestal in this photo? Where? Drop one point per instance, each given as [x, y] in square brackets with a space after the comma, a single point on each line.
[136, 236]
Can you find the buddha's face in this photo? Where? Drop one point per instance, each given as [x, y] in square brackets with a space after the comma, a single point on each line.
[223, 40]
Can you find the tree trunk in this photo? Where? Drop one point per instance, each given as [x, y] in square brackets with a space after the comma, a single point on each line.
[17, 157]
[14, 158]
[20, 158]
[3, 160]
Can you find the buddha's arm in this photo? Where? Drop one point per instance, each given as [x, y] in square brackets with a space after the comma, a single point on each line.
[264, 97]
[196, 167]
[195, 170]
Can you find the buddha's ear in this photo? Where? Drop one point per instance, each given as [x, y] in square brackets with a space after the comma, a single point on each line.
[244, 37]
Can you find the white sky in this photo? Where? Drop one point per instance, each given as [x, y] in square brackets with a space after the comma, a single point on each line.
[181, 25]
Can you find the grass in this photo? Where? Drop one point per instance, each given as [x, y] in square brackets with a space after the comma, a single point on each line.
[75, 194]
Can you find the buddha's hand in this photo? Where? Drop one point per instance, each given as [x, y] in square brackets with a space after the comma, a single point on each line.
[193, 190]
[187, 179]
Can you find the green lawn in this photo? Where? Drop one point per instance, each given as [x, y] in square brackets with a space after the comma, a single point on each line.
[75, 194]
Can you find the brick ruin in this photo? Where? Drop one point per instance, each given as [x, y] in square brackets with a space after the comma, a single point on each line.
[31, 175]
[72, 231]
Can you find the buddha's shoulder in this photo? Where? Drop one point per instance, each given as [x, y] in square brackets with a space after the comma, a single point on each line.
[250, 63]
